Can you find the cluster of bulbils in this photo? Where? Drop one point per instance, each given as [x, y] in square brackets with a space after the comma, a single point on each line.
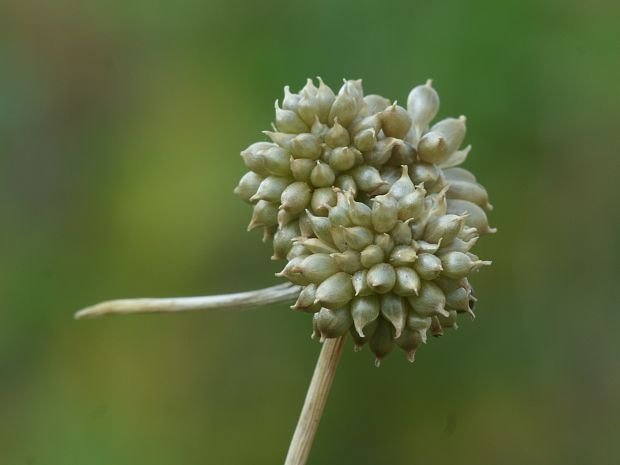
[367, 204]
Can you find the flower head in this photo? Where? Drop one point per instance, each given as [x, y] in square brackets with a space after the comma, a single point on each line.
[366, 202]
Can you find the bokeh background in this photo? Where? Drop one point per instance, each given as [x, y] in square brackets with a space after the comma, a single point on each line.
[120, 129]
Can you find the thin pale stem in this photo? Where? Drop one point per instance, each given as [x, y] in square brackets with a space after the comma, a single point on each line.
[314, 404]
[241, 300]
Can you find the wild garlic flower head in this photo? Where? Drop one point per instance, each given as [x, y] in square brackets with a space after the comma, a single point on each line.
[367, 204]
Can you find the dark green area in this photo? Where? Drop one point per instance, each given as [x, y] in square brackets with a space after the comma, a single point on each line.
[120, 128]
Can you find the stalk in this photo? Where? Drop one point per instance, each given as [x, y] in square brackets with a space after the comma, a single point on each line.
[314, 404]
[241, 300]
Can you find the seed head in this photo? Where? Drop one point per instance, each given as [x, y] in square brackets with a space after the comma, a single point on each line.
[366, 202]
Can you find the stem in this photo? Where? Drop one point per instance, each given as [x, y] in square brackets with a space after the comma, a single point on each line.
[315, 401]
[251, 299]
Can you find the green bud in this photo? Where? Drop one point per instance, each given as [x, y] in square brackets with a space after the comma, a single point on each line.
[264, 214]
[322, 200]
[476, 217]
[420, 324]
[305, 301]
[459, 245]
[335, 291]
[395, 121]
[403, 255]
[337, 136]
[471, 192]
[393, 310]
[429, 301]
[283, 240]
[333, 323]
[412, 205]
[360, 285]
[427, 247]
[297, 251]
[319, 129]
[339, 214]
[401, 233]
[365, 140]
[403, 186]
[248, 186]
[277, 161]
[367, 178]
[342, 158]
[381, 153]
[344, 108]
[320, 227]
[438, 205]
[348, 261]
[315, 245]
[371, 256]
[354, 88]
[326, 98]
[346, 183]
[308, 108]
[426, 173]
[290, 100]
[381, 342]
[271, 189]
[403, 153]
[289, 121]
[322, 175]
[292, 273]
[428, 266]
[386, 243]
[364, 310]
[357, 237]
[283, 217]
[432, 147]
[296, 197]
[359, 212]
[446, 227]
[376, 103]
[253, 157]
[306, 146]
[409, 341]
[453, 132]
[458, 299]
[384, 213]
[317, 267]
[381, 278]
[458, 264]
[407, 282]
[422, 105]
[302, 168]
[283, 139]
[459, 174]
[368, 122]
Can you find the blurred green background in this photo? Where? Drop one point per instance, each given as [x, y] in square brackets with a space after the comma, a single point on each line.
[120, 129]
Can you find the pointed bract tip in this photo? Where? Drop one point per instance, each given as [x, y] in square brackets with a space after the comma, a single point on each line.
[429, 83]
[411, 356]
[442, 311]
[377, 362]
